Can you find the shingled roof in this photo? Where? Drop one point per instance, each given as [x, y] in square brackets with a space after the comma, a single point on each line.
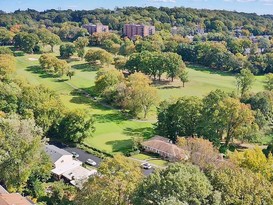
[55, 153]
[161, 144]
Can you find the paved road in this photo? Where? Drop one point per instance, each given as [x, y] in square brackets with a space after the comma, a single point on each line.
[83, 156]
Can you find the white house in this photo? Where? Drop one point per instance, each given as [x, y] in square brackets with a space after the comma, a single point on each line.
[59, 157]
[66, 167]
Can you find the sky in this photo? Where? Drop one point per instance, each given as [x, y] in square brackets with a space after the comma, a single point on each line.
[249, 6]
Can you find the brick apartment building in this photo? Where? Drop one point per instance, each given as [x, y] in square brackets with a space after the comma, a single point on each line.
[93, 28]
[132, 30]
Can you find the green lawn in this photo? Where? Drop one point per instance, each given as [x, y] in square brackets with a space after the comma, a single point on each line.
[113, 130]
[151, 159]
[201, 82]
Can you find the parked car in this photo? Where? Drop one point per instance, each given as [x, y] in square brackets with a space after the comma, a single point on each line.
[75, 154]
[146, 165]
[91, 162]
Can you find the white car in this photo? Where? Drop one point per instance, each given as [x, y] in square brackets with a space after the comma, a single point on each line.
[91, 162]
[75, 154]
[146, 165]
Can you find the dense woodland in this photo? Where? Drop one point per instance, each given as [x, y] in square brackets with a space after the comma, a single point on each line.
[126, 73]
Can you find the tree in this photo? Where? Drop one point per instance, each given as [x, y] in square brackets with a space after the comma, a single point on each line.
[185, 182]
[269, 82]
[62, 193]
[26, 41]
[9, 97]
[236, 119]
[245, 80]
[127, 47]
[76, 126]
[52, 64]
[47, 62]
[5, 36]
[183, 75]
[117, 182]
[180, 118]
[120, 62]
[98, 55]
[80, 44]
[5, 50]
[240, 186]
[106, 81]
[45, 106]
[7, 65]
[21, 151]
[111, 46]
[201, 152]
[70, 32]
[61, 67]
[209, 126]
[173, 63]
[254, 160]
[142, 96]
[70, 74]
[49, 38]
[262, 104]
[67, 50]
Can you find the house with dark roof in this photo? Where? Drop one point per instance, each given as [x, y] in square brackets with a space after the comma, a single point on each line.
[66, 167]
[58, 156]
[163, 147]
[7, 198]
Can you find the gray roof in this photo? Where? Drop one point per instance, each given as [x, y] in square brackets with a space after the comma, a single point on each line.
[55, 153]
[3, 191]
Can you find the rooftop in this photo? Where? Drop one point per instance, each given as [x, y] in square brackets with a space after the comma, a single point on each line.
[66, 167]
[79, 173]
[3, 191]
[163, 145]
[13, 199]
[55, 153]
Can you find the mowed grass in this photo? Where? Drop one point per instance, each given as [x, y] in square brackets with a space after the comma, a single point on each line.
[201, 82]
[114, 131]
[151, 159]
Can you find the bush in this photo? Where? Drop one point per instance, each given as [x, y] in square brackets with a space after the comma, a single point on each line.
[19, 53]
[129, 154]
[94, 151]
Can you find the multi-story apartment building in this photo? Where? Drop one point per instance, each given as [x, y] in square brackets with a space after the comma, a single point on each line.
[132, 30]
[93, 28]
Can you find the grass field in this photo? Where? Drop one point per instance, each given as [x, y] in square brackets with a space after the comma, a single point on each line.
[201, 82]
[114, 130]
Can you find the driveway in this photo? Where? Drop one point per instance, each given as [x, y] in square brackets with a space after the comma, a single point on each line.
[83, 156]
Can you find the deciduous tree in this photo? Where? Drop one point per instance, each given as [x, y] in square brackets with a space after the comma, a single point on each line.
[244, 80]
[7, 65]
[67, 50]
[20, 154]
[184, 76]
[80, 44]
[76, 125]
[98, 55]
[185, 182]
[117, 182]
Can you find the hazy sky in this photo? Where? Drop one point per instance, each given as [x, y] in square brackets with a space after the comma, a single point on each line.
[251, 6]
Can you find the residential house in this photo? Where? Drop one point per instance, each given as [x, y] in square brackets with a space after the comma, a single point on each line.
[66, 167]
[7, 198]
[165, 148]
